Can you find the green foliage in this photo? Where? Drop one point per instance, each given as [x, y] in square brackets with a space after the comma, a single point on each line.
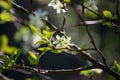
[10, 53]
[91, 72]
[3, 42]
[107, 23]
[5, 17]
[9, 60]
[116, 66]
[5, 5]
[107, 14]
[45, 35]
[33, 58]
[34, 29]
[67, 1]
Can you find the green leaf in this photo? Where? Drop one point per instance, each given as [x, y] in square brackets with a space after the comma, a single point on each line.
[39, 42]
[18, 52]
[67, 1]
[48, 34]
[5, 17]
[3, 42]
[44, 48]
[11, 63]
[10, 50]
[107, 14]
[34, 29]
[32, 61]
[116, 66]
[57, 51]
[107, 23]
[32, 55]
[85, 72]
[5, 5]
[91, 72]
[6, 60]
[33, 58]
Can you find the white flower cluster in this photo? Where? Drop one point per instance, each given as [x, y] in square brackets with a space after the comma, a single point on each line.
[36, 18]
[62, 42]
[92, 3]
[56, 4]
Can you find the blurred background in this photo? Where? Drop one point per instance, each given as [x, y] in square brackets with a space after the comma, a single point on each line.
[106, 38]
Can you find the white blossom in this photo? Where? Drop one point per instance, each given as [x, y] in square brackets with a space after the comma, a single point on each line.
[36, 18]
[62, 42]
[92, 3]
[56, 4]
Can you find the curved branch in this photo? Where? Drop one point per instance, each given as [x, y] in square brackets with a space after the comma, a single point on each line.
[89, 34]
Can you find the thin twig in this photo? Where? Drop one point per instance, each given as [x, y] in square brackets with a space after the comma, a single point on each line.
[44, 71]
[64, 19]
[86, 55]
[89, 34]
[91, 10]
[19, 7]
[88, 49]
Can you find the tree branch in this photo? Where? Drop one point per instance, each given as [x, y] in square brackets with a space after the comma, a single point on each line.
[89, 34]
[84, 54]
[22, 9]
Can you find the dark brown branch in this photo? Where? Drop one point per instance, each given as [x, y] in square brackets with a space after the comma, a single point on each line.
[91, 11]
[29, 70]
[89, 34]
[85, 55]
[64, 20]
[22, 9]
[88, 49]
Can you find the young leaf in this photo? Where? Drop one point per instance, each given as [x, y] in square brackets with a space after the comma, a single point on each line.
[67, 1]
[116, 66]
[33, 58]
[48, 33]
[32, 55]
[40, 42]
[44, 48]
[5, 17]
[107, 14]
[3, 42]
[5, 4]
[34, 29]
[32, 61]
[107, 23]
